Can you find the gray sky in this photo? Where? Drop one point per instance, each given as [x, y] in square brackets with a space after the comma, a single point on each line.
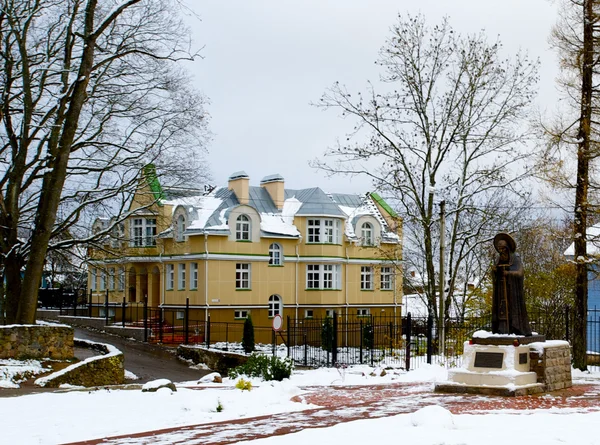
[265, 61]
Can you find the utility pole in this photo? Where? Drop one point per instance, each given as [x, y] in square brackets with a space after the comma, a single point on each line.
[442, 336]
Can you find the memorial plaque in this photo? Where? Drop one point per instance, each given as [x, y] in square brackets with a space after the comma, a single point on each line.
[488, 360]
[523, 358]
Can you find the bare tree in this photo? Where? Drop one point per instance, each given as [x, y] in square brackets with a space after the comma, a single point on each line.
[90, 93]
[576, 37]
[446, 124]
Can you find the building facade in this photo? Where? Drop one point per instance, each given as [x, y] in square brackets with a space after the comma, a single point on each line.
[260, 250]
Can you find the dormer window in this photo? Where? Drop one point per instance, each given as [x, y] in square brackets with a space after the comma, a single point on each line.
[180, 227]
[242, 228]
[143, 232]
[366, 234]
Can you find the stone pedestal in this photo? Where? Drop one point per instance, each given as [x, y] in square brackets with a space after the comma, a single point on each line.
[512, 369]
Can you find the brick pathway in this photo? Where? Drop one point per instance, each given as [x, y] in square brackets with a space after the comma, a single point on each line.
[343, 404]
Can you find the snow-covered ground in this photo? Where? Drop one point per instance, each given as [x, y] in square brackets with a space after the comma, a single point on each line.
[52, 418]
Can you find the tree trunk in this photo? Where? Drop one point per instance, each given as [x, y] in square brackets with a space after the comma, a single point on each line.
[581, 192]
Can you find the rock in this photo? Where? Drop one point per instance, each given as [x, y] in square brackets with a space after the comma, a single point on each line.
[383, 373]
[213, 377]
[155, 385]
[218, 379]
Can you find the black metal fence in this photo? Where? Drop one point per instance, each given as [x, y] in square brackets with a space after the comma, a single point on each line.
[339, 341]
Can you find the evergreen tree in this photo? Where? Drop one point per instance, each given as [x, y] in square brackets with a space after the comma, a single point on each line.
[248, 337]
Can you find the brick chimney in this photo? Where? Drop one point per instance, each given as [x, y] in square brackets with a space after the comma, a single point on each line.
[274, 186]
[239, 182]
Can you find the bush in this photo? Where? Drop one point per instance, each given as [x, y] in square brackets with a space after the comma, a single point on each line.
[327, 335]
[243, 385]
[248, 336]
[265, 367]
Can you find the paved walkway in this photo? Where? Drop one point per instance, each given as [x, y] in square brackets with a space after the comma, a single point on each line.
[345, 404]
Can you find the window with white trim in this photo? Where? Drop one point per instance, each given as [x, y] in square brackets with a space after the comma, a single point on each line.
[181, 276]
[93, 278]
[179, 315]
[193, 275]
[241, 314]
[366, 234]
[324, 231]
[387, 278]
[143, 232]
[275, 306]
[309, 313]
[242, 228]
[363, 312]
[111, 278]
[275, 255]
[121, 279]
[323, 276]
[366, 278]
[170, 276]
[242, 276]
[180, 227]
[329, 313]
[103, 280]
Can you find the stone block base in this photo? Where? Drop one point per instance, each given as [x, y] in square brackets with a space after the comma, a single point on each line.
[504, 391]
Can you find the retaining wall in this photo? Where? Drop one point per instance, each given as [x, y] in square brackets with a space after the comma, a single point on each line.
[219, 361]
[36, 341]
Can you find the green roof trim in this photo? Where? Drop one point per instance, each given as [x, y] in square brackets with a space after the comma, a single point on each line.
[153, 183]
[384, 205]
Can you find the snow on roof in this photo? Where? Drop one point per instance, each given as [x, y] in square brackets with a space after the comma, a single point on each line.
[593, 242]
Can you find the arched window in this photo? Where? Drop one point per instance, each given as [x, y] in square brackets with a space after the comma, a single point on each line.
[275, 255]
[366, 233]
[242, 228]
[180, 227]
[275, 306]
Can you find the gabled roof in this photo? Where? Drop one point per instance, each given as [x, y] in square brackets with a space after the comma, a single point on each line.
[209, 212]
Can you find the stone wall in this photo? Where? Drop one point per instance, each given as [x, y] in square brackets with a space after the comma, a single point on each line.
[219, 361]
[36, 341]
[102, 370]
[552, 363]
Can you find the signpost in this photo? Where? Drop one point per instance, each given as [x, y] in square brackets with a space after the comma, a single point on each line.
[277, 325]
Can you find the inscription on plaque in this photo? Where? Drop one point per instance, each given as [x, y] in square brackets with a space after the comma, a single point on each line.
[488, 360]
[523, 358]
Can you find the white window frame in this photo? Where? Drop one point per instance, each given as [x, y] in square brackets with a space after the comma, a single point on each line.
[275, 306]
[241, 314]
[243, 275]
[93, 278]
[103, 279]
[329, 313]
[143, 232]
[275, 255]
[363, 312]
[309, 313]
[180, 228]
[170, 277]
[181, 276]
[324, 276]
[366, 277]
[111, 278]
[121, 278]
[179, 315]
[366, 234]
[323, 231]
[193, 276]
[243, 228]
[387, 278]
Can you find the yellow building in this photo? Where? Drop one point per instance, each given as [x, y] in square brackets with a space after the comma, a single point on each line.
[244, 249]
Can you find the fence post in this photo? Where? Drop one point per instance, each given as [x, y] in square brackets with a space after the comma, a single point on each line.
[567, 323]
[145, 314]
[123, 312]
[305, 350]
[372, 338]
[75, 304]
[106, 307]
[334, 341]
[429, 338]
[160, 324]
[361, 335]
[391, 339]
[186, 321]
[208, 332]
[273, 341]
[90, 305]
[288, 335]
[408, 340]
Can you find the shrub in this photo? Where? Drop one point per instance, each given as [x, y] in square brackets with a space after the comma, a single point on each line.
[248, 336]
[244, 385]
[219, 406]
[265, 367]
[368, 335]
[327, 335]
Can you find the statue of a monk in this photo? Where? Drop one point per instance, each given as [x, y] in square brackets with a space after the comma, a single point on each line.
[509, 315]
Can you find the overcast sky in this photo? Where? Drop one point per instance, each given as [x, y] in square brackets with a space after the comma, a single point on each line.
[265, 61]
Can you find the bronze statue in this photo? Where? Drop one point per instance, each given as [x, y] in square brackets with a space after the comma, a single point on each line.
[509, 315]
